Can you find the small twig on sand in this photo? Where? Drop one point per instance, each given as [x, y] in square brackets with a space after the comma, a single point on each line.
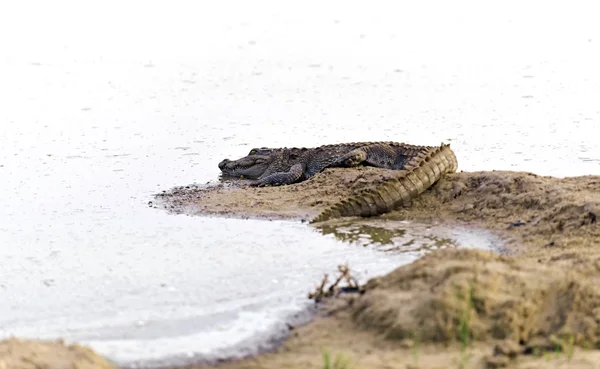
[322, 292]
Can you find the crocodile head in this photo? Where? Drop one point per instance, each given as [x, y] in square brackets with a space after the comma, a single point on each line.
[252, 166]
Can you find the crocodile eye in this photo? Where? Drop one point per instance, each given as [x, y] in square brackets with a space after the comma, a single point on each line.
[253, 151]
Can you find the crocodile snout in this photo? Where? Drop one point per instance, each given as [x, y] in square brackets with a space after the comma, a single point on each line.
[224, 163]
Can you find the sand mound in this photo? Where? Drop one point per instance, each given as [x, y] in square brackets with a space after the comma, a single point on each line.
[34, 354]
[515, 197]
[452, 294]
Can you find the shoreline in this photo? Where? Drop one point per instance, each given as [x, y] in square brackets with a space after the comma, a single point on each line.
[551, 270]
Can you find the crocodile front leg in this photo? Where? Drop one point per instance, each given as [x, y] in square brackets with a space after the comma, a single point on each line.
[281, 178]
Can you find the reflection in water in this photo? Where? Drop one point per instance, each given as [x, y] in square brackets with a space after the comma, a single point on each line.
[427, 243]
[404, 237]
[360, 232]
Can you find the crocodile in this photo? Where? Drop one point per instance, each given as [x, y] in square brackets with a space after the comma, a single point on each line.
[418, 167]
[284, 166]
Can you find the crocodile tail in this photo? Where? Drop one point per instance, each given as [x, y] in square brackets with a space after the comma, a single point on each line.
[420, 173]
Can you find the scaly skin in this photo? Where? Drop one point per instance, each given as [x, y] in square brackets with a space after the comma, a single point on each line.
[420, 173]
[273, 167]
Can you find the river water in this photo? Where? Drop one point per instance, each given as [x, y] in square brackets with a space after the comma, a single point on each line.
[104, 105]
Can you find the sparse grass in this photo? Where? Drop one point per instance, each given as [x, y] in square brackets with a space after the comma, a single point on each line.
[464, 325]
[562, 345]
[567, 346]
[464, 328]
[416, 347]
[340, 361]
[557, 350]
[570, 349]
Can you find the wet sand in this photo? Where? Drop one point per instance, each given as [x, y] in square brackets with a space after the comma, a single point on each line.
[536, 305]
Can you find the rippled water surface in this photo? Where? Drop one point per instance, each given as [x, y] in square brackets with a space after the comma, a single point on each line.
[103, 106]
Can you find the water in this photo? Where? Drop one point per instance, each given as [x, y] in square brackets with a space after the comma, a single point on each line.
[104, 105]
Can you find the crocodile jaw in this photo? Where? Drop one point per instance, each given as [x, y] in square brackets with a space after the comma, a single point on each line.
[251, 166]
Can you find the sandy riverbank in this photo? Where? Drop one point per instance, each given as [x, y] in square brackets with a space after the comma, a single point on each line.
[536, 306]
[540, 298]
